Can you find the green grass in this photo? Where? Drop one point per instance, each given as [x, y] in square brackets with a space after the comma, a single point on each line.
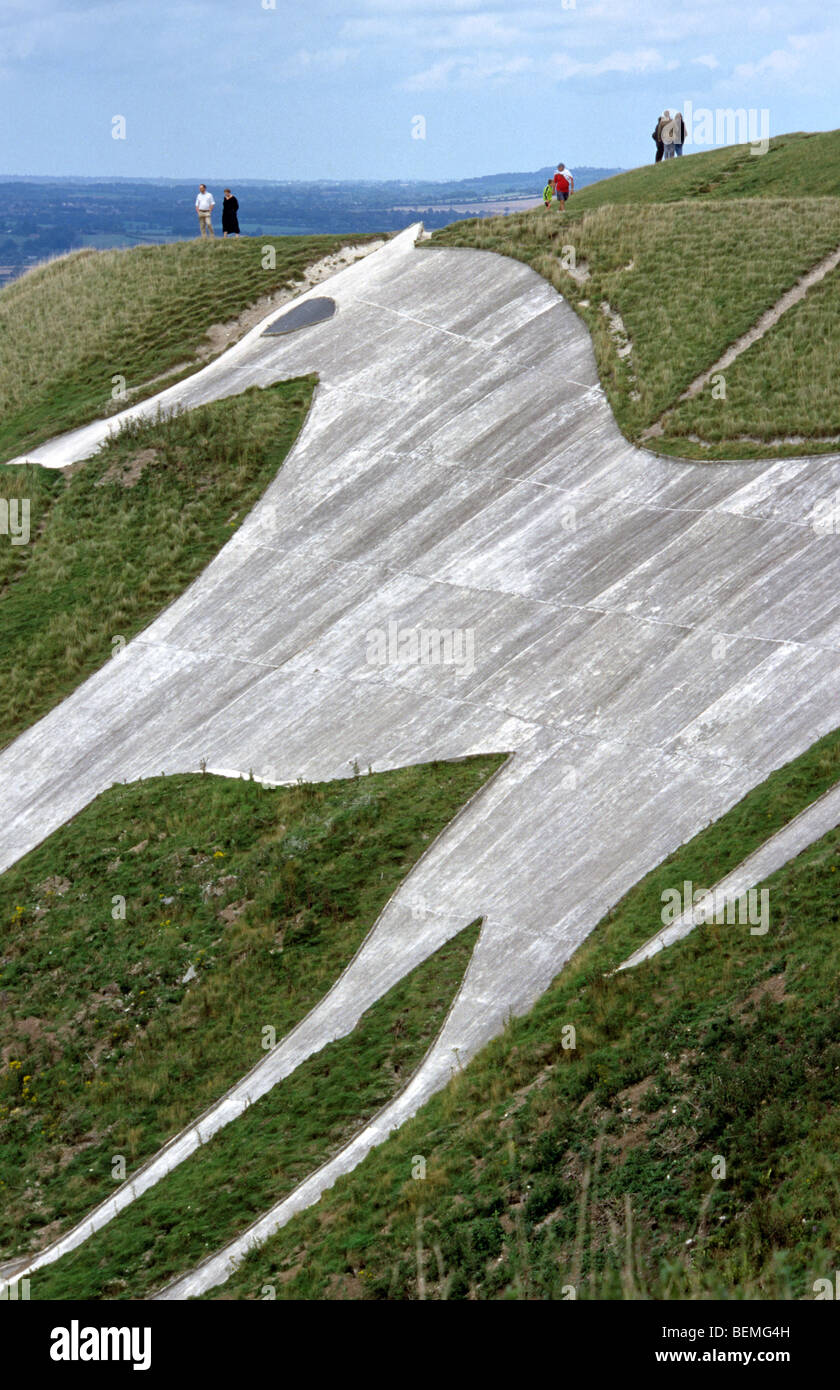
[549, 1166]
[268, 893]
[784, 385]
[251, 1164]
[107, 553]
[797, 165]
[69, 326]
[690, 259]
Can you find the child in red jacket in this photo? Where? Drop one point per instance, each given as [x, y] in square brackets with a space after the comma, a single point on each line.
[564, 184]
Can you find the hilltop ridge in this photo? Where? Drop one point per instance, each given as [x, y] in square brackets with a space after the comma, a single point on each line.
[671, 264]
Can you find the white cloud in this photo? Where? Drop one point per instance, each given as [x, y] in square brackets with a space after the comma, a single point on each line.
[484, 29]
[437, 6]
[594, 34]
[780, 63]
[431, 79]
[449, 72]
[639, 60]
[815, 52]
[308, 60]
[444, 26]
[466, 72]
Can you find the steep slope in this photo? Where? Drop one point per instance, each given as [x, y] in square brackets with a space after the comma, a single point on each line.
[797, 165]
[190, 915]
[652, 638]
[85, 334]
[672, 264]
[111, 544]
[668, 1133]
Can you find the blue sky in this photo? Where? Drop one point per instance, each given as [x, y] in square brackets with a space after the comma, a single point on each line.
[232, 89]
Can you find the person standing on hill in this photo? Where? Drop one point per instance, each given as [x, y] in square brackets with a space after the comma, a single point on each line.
[564, 184]
[204, 205]
[666, 135]
[230, 221]
[657, 135]
[679, 133]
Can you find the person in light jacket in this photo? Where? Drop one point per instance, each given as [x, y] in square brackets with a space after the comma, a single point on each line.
[204, 205]
[666, 135]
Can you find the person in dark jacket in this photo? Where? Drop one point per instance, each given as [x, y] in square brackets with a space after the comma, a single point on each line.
[660, 146]
[230, 221]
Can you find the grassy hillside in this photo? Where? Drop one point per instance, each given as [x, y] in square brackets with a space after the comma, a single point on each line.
[798, 165]
[682, 1143]
[114, 543]
[788, 381]
[596, 1167]
[670, 264]
[69, 326]
[266, 893]
[252, 1164]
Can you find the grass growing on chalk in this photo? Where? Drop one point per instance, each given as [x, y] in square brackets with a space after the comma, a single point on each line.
[267, 893]
[687, 279]
[592, 1166]
[71, 325]
[258, 1159]
[785, 383]
[125, 534]
[689, 255]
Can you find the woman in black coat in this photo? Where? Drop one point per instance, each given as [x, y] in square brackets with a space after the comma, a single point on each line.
[230, 221]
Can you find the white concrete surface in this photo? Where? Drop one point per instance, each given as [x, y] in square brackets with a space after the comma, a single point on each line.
[651, 639]
[804, 830]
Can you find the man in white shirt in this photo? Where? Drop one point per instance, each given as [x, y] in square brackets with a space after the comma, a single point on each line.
[204, 205]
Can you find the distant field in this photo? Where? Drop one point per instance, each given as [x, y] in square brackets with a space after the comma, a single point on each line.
[42, 218]
[689, 255]
[489, 208]
[70, 326]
